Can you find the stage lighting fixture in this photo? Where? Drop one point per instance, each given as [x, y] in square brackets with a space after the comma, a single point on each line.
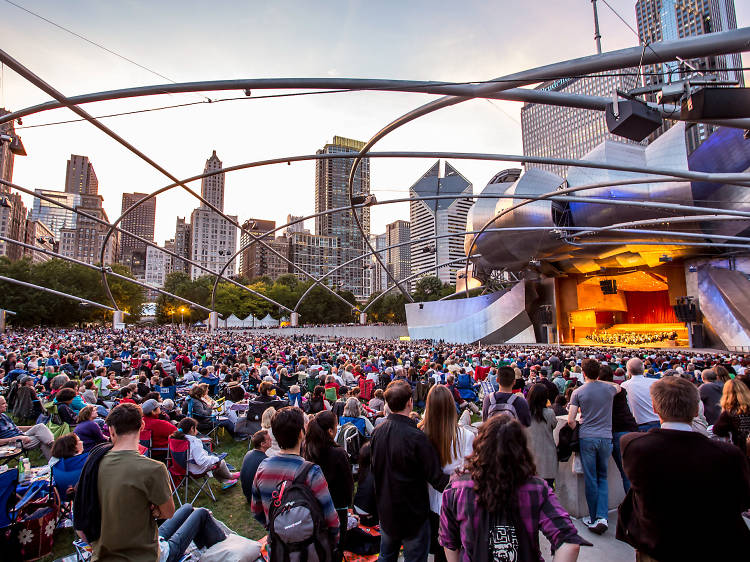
[632, 119]
[535, 262]
[608, 286]
[364, 200]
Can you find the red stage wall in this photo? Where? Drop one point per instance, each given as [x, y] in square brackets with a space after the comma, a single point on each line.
[649, 307]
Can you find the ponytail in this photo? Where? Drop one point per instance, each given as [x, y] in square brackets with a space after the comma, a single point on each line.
[183, 428]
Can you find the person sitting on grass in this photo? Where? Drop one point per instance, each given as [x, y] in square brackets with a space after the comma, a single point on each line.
[199, 461]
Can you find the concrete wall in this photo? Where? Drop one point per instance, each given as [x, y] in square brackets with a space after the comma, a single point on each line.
[376, 332]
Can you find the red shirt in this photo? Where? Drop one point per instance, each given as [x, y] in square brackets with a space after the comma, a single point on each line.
[160, 431]
[127, 400]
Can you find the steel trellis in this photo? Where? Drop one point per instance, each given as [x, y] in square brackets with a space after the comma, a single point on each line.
[57, 293]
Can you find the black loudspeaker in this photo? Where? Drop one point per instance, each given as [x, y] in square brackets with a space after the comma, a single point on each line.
[686, 312]
[608, 286]
[635, 120]
[698, 336]
[717, 103]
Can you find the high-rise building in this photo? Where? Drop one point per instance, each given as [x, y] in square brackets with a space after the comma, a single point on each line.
[156, 267]
[568, 132]
[399, 258]
[317, 255]
[296, 227]
[53, 216]
[214, 238]
[141, 222]
[331, 192]
[12, 209]
[667, 20]
[84, 240]
[431, 217]
[182, 245]
[378, 276]
[38, 235]
[80, 176]
[257, 260]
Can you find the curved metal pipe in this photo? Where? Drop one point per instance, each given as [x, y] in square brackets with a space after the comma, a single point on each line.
[53, 292]
[112, 273]
[135, 236]
[413, 276]
[688, 218]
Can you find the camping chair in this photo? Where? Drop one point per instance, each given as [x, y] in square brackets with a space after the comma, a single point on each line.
[287, 381]
[486, 388]
[146, 440]
[65, 474]
[366, 388]
[8, 482]
[178, 454]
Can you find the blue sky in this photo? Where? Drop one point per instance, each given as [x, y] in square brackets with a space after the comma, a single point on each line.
[190, 40]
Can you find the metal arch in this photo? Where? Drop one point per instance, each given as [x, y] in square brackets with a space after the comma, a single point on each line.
[58, 293]
[621, 229]
[688, 218]
[413, 276]
[142, 240]
[44, 86]
[667, 50]
[729, 41]
[112, 273]
[676, 243]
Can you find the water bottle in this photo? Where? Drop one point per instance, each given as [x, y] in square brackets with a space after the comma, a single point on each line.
[21, 470]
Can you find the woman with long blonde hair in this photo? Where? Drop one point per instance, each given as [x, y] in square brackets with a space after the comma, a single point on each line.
[734, 420]
[452, 443]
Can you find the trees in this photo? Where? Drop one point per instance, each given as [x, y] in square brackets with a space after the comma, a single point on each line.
[38, 307]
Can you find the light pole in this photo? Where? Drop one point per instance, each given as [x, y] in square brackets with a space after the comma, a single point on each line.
[182, 316]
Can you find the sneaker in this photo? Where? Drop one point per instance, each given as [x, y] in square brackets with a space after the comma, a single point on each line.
[586, 521]
[600, 526]
[228, 484]
[234, 476]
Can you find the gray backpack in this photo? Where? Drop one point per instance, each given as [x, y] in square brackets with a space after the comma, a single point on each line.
[506, 407]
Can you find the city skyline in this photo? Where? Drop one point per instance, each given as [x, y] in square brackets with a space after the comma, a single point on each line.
[251, 130]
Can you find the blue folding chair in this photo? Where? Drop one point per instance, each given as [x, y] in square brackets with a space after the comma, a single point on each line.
[66, 472]
[8, 483]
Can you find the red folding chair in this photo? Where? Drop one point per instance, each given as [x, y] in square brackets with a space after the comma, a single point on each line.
[178, 455]
[366, 388]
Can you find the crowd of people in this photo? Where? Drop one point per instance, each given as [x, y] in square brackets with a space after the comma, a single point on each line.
[631, 338]
[455, 450]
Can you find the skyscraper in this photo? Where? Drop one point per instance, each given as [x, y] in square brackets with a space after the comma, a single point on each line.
[214, 239]
[84, 240]
[316, 254]
[398, 259]
[437, 217]
[378, 276]
[55, 217]
[667, 20]
[256, 260]
[12, 210]
[568, 132]
[141, 222]
[80, 176]
[331, 191]
[183, 238]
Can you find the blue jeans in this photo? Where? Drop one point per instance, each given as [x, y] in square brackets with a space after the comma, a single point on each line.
[618, 458]
[416, 548]
[595, 453]
[645, 427]
[186, 525]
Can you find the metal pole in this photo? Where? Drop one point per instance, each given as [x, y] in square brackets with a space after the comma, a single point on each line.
[58, 293]
[597, 35]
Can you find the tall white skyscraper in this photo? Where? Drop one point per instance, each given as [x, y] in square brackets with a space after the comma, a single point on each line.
[214, 239]
[430, 217]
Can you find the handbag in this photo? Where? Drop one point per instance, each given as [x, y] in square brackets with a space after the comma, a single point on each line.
[34, 518]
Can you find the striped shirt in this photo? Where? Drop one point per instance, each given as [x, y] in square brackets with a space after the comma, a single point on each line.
[275, 470]
[539, 509]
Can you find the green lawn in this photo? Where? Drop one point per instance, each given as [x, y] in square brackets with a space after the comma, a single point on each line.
[230, 507]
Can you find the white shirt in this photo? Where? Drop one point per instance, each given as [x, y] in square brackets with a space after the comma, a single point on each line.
[465, 446]
[200, 461]
[639, 398]
[679, 426]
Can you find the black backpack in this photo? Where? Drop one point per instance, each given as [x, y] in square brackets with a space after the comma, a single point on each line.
[351, 440]
[297, 531]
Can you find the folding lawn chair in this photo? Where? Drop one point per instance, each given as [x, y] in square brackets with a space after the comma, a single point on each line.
[178, 454]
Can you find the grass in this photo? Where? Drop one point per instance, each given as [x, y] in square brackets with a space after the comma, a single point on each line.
[231, 507]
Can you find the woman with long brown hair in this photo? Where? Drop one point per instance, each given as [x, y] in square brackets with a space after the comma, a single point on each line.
[452, 443]
[495, 507]
[734, 420]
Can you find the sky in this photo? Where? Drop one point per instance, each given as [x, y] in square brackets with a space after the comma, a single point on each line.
[188, 40]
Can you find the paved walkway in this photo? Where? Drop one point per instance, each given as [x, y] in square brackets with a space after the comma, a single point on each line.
[606, 546]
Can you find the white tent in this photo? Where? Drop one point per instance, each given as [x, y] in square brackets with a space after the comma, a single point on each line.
[269, 322]
[233, 322]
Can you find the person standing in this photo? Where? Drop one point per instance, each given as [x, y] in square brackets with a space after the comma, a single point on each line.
[541, 439]
[663, 466]
[594, 400]
[622, 422]
[734, 420]
[133, 492]
[403, 463]
[710, 392]
[513, 402]
[639, 398]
